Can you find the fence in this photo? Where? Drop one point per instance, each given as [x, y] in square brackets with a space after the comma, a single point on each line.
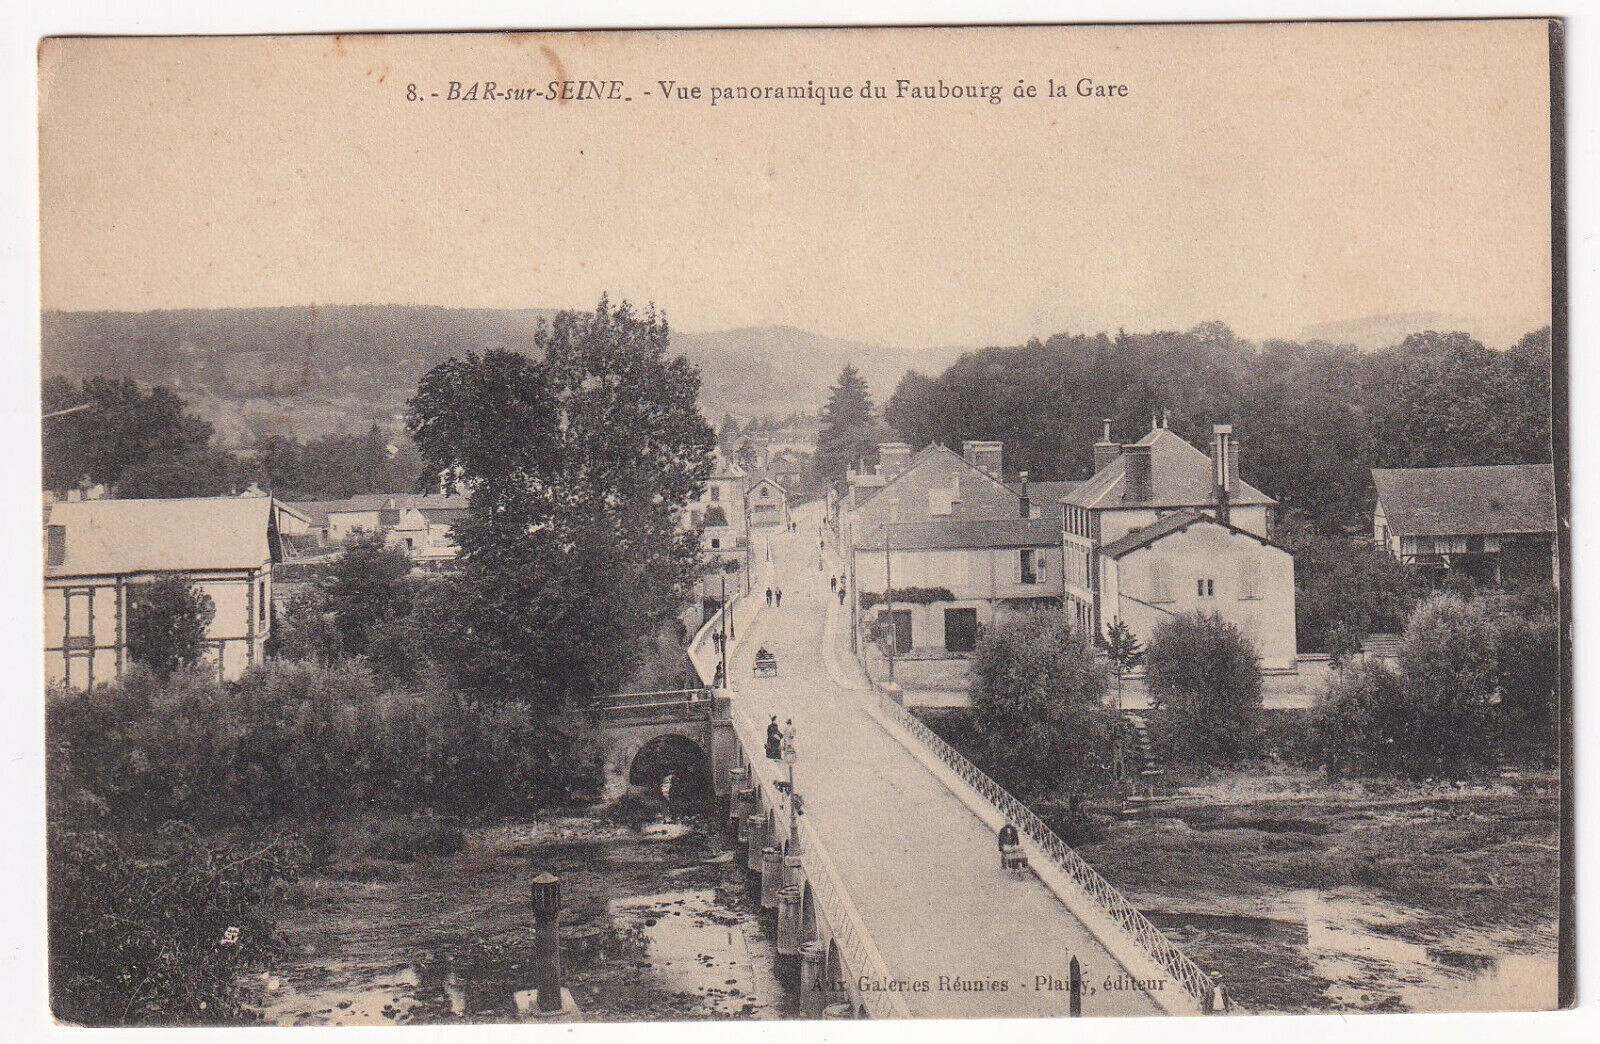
[629, 705]
[829, 894]
[1124, 914]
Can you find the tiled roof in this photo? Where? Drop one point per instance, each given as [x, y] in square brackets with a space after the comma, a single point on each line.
[966, 533]
[430, 504]
[1048, 492]
[109, 537]
[1504, 498]
[1180, 476]
[1165, 526]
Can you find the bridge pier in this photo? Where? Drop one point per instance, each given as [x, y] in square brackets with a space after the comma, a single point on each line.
[813, 987]
[738, 782]
[749, 807]
[724, 748]
[771, 877]
[755, 841]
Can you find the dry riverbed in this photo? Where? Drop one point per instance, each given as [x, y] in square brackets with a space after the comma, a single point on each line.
[1317, 896]
[652, 928]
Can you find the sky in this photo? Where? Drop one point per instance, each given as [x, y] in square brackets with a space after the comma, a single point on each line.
[1274, 177]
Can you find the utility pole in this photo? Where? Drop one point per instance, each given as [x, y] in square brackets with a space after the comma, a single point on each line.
[888, 584]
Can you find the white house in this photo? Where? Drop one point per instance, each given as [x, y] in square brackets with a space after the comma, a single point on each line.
[96, 550]
[1162, 529]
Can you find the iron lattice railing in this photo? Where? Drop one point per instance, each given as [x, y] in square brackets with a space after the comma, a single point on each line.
[1124, 914]
[830, 895]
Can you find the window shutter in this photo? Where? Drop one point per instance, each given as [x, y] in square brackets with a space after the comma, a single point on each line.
[1250, 578]
[1158, 580]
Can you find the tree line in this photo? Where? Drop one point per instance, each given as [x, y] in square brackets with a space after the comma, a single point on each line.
[1313, 418]
[145, 443]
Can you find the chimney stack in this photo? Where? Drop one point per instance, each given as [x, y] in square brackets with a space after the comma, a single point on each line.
[893, 458]
[1105, 451]
[1026, 508]
[985, 456]
[1137, 485]
[1224, 467]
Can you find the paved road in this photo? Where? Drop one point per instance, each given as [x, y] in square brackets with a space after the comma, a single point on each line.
[922, 869]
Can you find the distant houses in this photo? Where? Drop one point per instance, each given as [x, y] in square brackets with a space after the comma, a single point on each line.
[418, 523]
[1161, 528]
[1495, 524]
[98, 551]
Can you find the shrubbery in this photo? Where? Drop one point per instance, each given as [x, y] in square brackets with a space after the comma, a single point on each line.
[1038, 705]
[1205, 685]
[1469, 688]
[298, 739]
[161, 936]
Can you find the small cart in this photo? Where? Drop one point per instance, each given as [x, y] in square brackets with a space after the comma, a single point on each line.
[766, 665]
[1013, 858]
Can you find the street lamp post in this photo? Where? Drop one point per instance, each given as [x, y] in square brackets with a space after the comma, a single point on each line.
[727, 631]
[888, 587]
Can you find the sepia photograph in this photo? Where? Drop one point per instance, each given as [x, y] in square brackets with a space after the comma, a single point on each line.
[1027, 522]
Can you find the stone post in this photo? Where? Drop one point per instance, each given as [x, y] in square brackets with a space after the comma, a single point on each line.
[771, 877]
[813, 990]
[749, 805]
[793, 874]
[756, 839]
[547, 941]
[1075, 984]
[738, 779]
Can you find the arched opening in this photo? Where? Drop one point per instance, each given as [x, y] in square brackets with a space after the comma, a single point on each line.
[679, 757]
[833, 974]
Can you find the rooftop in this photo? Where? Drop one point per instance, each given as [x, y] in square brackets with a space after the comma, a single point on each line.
[110, 537]
[1180, 476]
[965, 534]
[1500, 498]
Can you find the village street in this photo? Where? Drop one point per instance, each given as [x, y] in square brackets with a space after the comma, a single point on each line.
[922, 869]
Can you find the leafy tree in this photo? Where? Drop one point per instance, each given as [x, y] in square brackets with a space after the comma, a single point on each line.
[1038, 696]
[202, 472]
[1528, 678]
[1345, 589]
[579, 465]
[122, 427]
[1450, 664]
[368, 586]
[167, 621]
[1357, 722]
[1205, 679]
[336, 466]
[848, 431]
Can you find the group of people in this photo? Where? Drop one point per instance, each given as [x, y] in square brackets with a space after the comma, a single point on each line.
[775, 597]
[780, 739]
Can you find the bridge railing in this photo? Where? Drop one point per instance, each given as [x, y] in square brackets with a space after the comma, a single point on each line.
[645, 704]
[1124, 914]
[829, 893]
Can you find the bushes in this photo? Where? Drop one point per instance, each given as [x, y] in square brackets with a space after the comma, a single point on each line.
[1038, 711]
[160, 938]
[1469, 687]
[913, 595]
[301, 739]
[1205, 681]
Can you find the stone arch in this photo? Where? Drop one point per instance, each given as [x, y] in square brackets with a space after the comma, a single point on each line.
[833, 971]
[678, 754]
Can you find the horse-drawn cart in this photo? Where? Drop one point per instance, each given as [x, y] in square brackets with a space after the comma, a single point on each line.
[766, 665]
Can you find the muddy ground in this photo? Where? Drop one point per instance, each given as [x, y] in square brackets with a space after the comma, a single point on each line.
[1314, 896]
[652, 928]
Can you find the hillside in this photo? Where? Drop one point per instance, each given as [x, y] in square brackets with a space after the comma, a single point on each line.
[314, 370]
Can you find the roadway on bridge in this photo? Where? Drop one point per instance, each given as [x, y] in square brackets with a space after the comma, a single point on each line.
[922, 869]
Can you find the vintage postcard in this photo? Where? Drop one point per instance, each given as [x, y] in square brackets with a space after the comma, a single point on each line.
[905, 523]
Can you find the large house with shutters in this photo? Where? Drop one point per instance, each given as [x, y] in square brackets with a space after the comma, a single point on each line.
[950, 525]
[1162, 529]
[98, 551]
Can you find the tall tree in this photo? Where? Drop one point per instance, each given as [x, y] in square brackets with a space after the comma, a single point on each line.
[848, 433]
[167, 621]
[1204, 677]
[578, 466]
[114, 426]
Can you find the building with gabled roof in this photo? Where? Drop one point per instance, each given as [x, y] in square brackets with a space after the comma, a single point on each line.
[1162, 529]
[1495, 523]
[97, 551]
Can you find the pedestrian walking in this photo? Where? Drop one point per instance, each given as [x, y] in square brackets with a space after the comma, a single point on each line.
[769, 596]
[778, 594]
[1008, 842]
[841, 594]
[833, 584]
[787, 745]
[774, 739]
